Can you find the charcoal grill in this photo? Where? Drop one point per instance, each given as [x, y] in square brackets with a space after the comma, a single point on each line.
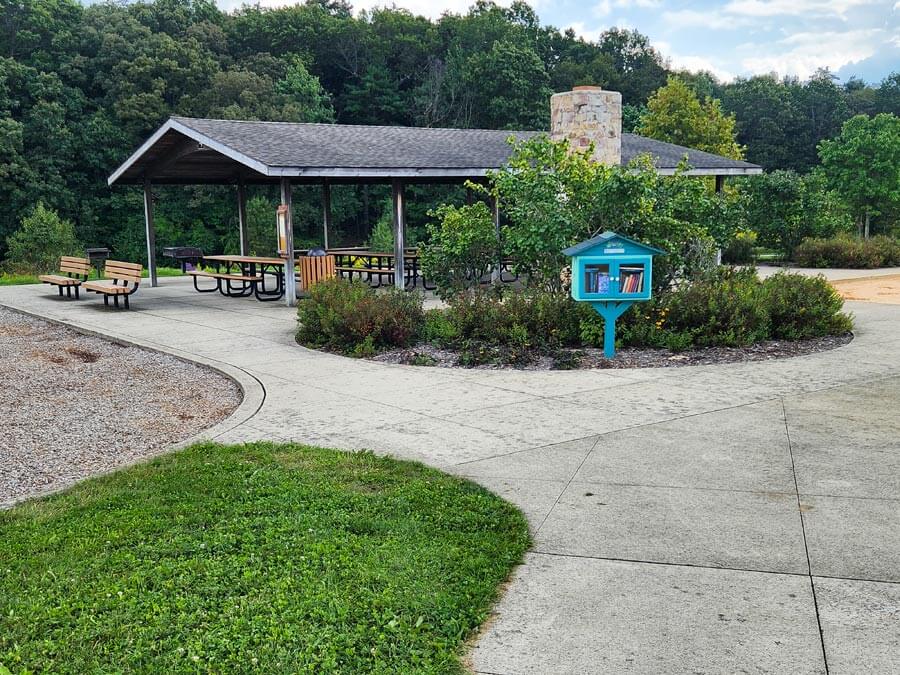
[185, 255]
[97, 256]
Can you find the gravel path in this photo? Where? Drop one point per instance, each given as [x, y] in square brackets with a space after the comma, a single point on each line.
[72, 405]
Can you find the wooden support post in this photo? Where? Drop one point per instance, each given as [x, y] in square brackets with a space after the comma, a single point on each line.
[397, 196]
[290, 282]
[498, 267]
[326, 210]
[720, 183]
[242, 217]
[151, 231]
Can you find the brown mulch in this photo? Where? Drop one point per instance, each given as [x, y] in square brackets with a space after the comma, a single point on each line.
[629, 357]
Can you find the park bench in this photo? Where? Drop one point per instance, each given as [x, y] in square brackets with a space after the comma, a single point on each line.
[73, 272]
[121, 274]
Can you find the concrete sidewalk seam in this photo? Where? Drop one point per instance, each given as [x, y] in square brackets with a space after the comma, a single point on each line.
[812, 584]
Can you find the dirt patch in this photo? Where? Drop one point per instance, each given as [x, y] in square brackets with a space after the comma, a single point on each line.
[630, 357]
[83, 355]
[884, 289]
[77, 405]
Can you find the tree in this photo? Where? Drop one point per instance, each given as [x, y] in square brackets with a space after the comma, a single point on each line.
[675, 115]
[862, 164]
[461, 248]
[553, 198]
[766, 120]
[783, 208]
[38, 244]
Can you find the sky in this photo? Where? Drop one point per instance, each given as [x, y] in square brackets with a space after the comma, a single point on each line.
[731, 39]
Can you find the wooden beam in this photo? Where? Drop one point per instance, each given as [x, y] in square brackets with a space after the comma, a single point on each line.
[290, 283]
[397, 197]
[242, 216]
[184, 147]
[720, 183]
[150, 229]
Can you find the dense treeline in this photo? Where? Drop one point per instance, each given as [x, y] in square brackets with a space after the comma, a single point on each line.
[80, 87]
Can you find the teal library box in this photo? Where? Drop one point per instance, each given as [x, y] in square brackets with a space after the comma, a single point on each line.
[611, 272]
[611, 267]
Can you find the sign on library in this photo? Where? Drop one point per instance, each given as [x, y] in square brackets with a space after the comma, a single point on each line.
[611, 272]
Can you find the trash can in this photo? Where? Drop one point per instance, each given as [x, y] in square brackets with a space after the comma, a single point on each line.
[314, 267]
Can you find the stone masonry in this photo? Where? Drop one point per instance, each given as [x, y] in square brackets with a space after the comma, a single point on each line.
[588, 115]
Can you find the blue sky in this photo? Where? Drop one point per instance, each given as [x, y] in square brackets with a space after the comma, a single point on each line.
[733, 38]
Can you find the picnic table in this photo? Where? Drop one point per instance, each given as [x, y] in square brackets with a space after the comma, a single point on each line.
[238, 276]
[376, 266]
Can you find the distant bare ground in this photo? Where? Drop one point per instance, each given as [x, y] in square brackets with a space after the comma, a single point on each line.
[871, 289]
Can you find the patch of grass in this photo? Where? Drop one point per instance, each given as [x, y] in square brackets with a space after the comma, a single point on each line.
[263, 557]
[20, 279]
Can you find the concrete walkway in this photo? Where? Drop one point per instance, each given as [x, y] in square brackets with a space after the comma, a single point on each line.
[736, 518]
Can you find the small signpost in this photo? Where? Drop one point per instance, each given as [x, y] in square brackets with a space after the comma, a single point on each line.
[611, 272]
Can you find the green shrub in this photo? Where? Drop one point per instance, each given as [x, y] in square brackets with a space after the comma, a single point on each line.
[438, 329]
[740, 249]
[725, 308]
[803, 307]
[849, 251]
[349, 317]
[461, 249]
[35, 248]
[731, 308]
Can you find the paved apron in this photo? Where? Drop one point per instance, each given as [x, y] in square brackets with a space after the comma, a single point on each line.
[715, 519]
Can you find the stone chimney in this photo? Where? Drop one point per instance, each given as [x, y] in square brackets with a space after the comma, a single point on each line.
[588, 115]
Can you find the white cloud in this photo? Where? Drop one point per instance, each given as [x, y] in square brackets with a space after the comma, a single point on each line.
[589, 34]
[769, 8]
[690, 18]
[807, 52]
[605, 7]
[692, 63]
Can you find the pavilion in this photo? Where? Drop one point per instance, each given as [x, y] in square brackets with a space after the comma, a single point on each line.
[228, 152]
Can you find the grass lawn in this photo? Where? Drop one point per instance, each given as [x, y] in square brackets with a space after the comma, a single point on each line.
[264, 557]
[18, 279]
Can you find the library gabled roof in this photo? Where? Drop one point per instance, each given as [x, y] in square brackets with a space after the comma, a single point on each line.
[604, 238]
[187, 150]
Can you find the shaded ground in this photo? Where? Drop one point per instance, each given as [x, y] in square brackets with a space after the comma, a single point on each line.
[885, 289]
[72, 405]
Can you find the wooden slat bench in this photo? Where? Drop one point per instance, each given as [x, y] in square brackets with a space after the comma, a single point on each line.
[121, 274]
[76, 271]
[248, 283]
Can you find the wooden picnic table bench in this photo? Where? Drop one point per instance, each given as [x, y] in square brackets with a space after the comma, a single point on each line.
[116, 271]
[73, 273]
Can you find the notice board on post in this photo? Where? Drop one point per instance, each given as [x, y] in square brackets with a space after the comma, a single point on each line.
[282, 220]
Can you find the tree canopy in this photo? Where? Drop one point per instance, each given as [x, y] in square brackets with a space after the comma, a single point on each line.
[675, 114]
[82, 86]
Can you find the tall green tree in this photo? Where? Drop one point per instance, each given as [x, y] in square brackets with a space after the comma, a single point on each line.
[862, 164]
[675, 115]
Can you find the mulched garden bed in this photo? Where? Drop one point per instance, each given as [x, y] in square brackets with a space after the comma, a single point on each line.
[629, 357]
